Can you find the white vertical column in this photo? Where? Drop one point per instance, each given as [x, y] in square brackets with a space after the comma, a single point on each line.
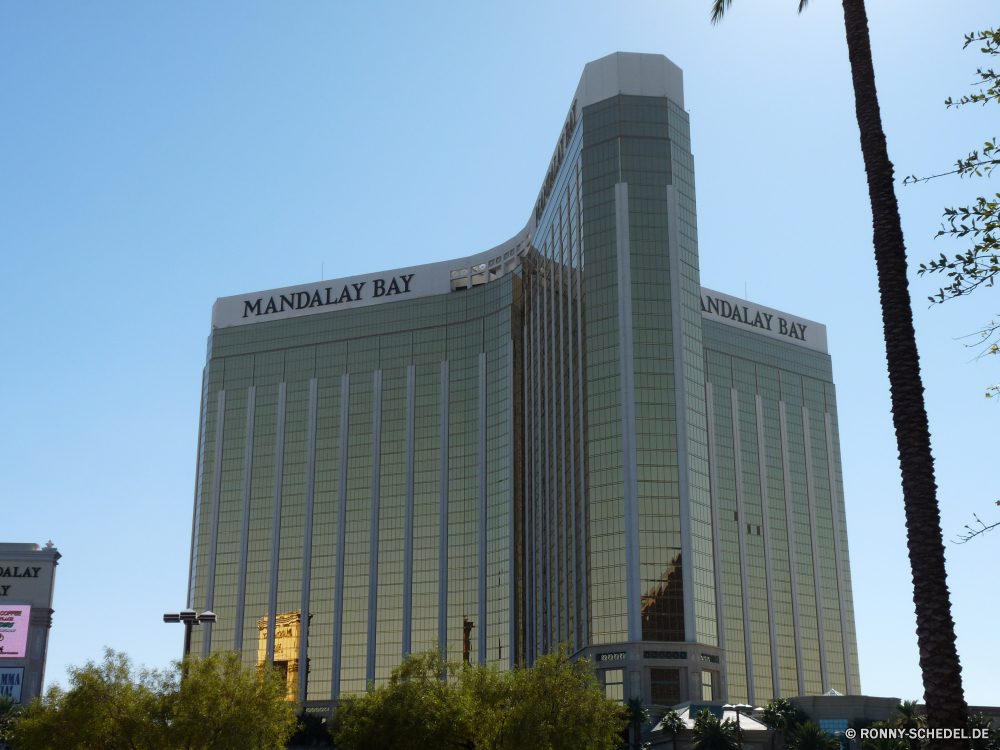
[551, 590]
[744, 562]
[511, 519]
[566, 261]
[338, 600]
[792, 554]
[560, 298]
[838, 554]
[213, 540]
[482, 520]
[814, 538]
[680, 411]
[633, 582]
[585, 563]
[193, 560]
[373, 537]
[411, 403]
[443, 513]
[713, 462]
[307, 540]
[531, 479]
[279, 473]
[241, 576]
[765, 501]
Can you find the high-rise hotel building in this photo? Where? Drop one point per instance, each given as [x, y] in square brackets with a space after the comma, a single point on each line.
[563, 440]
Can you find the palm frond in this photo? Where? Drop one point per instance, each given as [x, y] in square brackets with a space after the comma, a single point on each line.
[802, 5]
[719, 8]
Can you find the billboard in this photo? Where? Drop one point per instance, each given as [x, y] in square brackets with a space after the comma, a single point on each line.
[10, 682]
[14, 631]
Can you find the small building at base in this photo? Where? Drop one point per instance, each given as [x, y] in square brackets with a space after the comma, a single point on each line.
[27, 582]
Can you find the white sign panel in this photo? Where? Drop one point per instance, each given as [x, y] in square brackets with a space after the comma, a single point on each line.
[10, 682]
[14, 631]
[335, 294]
[766, 321]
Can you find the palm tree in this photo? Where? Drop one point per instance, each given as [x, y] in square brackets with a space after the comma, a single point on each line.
[991, 742]
[712, 734]
[672, 724]
[780, 716]
[907, 718]
[942, 673]
[637, 716]
[808, 736]
[10, 710]
[882, 743]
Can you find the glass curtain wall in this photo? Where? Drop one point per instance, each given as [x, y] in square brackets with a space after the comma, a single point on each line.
[786, 595]
[648, 433]
[321, 473]
[554, 426]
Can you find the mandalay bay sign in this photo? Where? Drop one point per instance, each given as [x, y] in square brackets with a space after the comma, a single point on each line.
[434, 278]
[745, 315]
[334, 294]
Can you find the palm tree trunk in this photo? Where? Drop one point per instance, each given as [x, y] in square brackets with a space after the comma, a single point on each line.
[942, 674]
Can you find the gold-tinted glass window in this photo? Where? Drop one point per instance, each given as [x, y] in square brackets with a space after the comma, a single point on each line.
[614, 684]
[708, 685]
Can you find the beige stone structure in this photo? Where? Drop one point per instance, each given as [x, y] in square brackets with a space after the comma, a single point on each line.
[27, 579]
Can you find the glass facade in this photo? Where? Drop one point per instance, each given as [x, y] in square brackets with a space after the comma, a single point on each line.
[550, 444]
[786, 604]
[354, 461]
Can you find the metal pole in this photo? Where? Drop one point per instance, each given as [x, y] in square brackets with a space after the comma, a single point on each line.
[188, 626]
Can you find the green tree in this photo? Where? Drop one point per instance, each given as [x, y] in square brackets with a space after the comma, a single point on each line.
[712, 734]
[808, 736]
[979, 222]
[414, 710]
[222, 705]
[781, 716]
[979, 266]
[554, 705]
[939, 664]
[111, 706]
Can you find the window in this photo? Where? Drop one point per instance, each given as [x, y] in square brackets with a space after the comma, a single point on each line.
[664, 655]
[708, 685]
[665, 686]
[833, 726]
[614, 684]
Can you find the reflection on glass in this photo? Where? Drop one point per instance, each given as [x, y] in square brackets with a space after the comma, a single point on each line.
[286, 648]
[663, 606]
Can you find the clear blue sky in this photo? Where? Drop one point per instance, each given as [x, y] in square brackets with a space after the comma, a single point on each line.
[154, 157]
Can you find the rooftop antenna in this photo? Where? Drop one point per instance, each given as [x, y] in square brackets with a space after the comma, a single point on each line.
[746, 295]
[322, 271]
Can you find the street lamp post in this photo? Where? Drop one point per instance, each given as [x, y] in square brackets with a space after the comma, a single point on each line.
[189, 617]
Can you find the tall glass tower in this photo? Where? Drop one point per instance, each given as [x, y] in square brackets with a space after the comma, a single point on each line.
[565, 440]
